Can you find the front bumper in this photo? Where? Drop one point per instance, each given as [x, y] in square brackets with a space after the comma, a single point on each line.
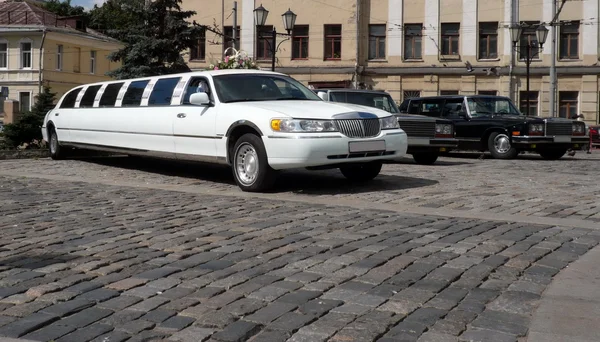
[431, 145]
[287, 151]
[534, 142]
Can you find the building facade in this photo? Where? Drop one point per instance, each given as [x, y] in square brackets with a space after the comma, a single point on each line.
[418, 47]
[38, 48]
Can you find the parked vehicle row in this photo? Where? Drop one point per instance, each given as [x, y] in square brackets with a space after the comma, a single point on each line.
[257, 122]
[493, 123]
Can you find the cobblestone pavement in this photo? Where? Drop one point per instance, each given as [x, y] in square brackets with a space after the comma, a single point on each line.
[115, 249]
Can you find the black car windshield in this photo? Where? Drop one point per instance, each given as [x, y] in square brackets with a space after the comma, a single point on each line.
[376, 100]
[260, 87]
[479, 106]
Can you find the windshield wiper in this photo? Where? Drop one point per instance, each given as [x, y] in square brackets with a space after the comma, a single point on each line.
[292, 98]
[244, 100]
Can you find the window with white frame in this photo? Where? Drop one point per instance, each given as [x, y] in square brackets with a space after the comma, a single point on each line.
[26, 55]
[59, 57]
[3, 54]
[92, 62]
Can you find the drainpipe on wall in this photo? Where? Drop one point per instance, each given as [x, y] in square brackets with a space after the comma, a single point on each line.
[511, 83]
[357, 65]
[41, 62]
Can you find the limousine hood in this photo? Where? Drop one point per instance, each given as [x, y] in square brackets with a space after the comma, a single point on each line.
[304, 109]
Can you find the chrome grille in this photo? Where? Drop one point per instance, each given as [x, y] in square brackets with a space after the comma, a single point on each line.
[358, 128]
[418, 128]
[554, 128]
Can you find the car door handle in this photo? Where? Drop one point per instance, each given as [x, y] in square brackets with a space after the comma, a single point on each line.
[55, 114]
[181, 115]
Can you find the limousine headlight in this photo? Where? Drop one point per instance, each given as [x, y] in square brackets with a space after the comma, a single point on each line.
[443, 130]
[298, 125]
[578, 129]
[536, 129]
[389, 122]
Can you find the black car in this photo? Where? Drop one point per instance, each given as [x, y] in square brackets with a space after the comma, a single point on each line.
[493, 123]
[427, 137]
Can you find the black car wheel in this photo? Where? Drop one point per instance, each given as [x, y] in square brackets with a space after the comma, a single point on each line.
[552, 154]
[425, 158]
[362, 172]
[500, 146]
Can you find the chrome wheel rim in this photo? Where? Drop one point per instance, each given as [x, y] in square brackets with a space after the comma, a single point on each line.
[53, 143]
[246, 163]
[502, 143]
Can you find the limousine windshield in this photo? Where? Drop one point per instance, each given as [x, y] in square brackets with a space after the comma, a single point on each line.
[491, 105]
[243, 88]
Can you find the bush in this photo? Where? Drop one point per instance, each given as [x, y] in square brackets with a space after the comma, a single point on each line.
[26, 132]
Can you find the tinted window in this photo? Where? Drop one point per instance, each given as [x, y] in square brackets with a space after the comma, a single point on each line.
[133, 95]
[163, 92]
[109, 97]
[453, 107]
[88, 97]
[70, 98]
[432, 107]
[414, 106]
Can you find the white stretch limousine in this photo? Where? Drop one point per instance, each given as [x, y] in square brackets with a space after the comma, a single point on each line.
[256, 121]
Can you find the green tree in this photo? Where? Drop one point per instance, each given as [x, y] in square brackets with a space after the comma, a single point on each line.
[154, 42]
[114, 17]
[27, 129]
[63, 8]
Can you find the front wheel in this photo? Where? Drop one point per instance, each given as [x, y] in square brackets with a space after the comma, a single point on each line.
[552, 154]
[500, 146]
[362, 172]
[425, 158]
[251, 169]
[56, 151]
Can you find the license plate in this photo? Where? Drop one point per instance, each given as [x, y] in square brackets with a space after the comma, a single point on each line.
[442, 149]
[562, 139]
[366, 146]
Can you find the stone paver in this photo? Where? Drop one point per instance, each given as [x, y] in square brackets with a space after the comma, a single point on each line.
[147, 259]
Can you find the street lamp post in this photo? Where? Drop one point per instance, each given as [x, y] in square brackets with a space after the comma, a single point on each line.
[531, 50]
[289, 20]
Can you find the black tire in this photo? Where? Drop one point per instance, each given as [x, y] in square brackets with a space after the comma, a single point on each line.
[251, 146]
[362, 172]
[56, 151]
[552, 154]
[500, 146]
[425, 158]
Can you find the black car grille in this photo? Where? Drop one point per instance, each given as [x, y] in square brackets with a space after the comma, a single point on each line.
[418, 128]
[553, 129]
[359, 128]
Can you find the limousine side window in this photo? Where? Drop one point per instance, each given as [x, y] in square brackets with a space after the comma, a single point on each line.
[163, 91]
[196, 85]
[70, 98]
[89, 96]
[133, 95]
[109, 97]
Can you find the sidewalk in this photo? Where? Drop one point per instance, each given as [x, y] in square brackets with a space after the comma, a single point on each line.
[569, 309]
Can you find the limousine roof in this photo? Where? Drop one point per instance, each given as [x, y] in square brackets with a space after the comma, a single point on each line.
[352, 90]
[455, 97]
[193, 73]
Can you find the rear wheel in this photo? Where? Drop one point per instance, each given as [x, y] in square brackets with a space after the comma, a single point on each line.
[552, 154]
[500, 146]
[425, 158]
[56, 151]
[251, 169]
[362, 172]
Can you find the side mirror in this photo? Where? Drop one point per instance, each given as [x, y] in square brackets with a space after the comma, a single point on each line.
[199, 99]
[322, 95]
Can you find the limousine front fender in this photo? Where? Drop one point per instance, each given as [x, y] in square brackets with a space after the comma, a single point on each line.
[243, 123]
